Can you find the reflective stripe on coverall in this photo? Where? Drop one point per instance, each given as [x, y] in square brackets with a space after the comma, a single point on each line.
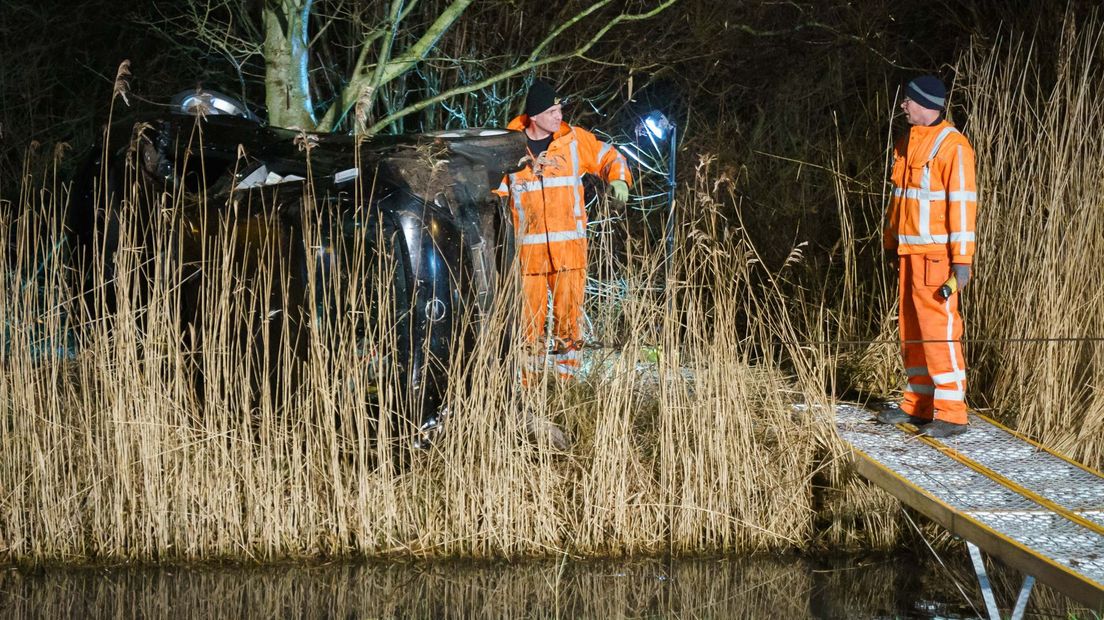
[931, 226]
[567, 302]
[936, 368]
[546, 200]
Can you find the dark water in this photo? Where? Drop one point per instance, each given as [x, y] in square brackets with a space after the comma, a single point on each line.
[898, 586]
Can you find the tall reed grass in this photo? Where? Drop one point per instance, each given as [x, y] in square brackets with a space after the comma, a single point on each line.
[267, 429]
[1041, 246]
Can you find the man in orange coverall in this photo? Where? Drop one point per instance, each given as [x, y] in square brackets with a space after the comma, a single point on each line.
[930, 235]
[546, 198]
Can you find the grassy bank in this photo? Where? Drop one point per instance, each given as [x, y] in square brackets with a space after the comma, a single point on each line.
[121, 452]
[145, 442]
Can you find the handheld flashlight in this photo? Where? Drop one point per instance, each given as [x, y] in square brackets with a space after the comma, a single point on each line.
[949, 287]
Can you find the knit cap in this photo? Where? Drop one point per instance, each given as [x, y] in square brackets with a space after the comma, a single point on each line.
[928, 91]
[541, 97]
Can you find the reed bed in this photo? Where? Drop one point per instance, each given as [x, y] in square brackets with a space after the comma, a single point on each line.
[267, 428]
[273, 427]
[1037, 294]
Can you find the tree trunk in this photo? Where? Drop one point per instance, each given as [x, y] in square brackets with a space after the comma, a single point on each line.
[286, 51]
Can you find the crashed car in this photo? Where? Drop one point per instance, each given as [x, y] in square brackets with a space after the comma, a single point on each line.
[427, 197]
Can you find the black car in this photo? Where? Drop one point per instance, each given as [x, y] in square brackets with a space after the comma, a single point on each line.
[424, 200]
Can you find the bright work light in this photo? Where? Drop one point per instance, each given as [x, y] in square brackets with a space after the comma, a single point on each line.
[656, 124]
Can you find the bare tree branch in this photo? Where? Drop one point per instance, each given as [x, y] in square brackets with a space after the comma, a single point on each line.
[387, 69]
[528, 65]
[382, 51]
[564, 26]
[384, 58]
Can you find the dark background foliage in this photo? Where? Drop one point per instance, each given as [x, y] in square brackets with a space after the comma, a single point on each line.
[767, 87]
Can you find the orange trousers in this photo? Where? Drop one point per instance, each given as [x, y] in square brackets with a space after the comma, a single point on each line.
[935, 367]
[567, 310]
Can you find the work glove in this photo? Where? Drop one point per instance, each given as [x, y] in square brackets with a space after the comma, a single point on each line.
[892, 260]
[961, 274]
[620, 191]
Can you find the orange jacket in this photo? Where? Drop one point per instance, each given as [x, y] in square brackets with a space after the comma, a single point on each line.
[934, 203]
[549, 213]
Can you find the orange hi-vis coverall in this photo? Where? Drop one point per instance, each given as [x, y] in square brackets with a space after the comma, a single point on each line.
[931, 226]
[547, 202]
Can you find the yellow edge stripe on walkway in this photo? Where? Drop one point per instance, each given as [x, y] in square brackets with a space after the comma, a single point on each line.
[1038, 445]
[1009, 484]
[1090, 592]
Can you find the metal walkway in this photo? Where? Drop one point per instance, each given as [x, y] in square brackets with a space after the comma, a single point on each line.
[1035, 510]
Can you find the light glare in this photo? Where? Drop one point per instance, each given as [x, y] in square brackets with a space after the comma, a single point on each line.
[657, 124]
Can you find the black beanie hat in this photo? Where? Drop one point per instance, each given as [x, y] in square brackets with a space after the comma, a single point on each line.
[541, 97]
[928, 91]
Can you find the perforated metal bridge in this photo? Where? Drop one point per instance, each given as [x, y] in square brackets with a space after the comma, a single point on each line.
[1034, 509]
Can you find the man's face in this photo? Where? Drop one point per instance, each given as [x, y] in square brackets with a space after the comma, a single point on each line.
[917, 114]
[549, 120]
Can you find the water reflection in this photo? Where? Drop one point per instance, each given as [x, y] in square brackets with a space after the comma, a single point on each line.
[764, 587]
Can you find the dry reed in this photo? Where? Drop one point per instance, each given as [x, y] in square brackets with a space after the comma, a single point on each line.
[156, 442]
[1041, 242]
[241, 437]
